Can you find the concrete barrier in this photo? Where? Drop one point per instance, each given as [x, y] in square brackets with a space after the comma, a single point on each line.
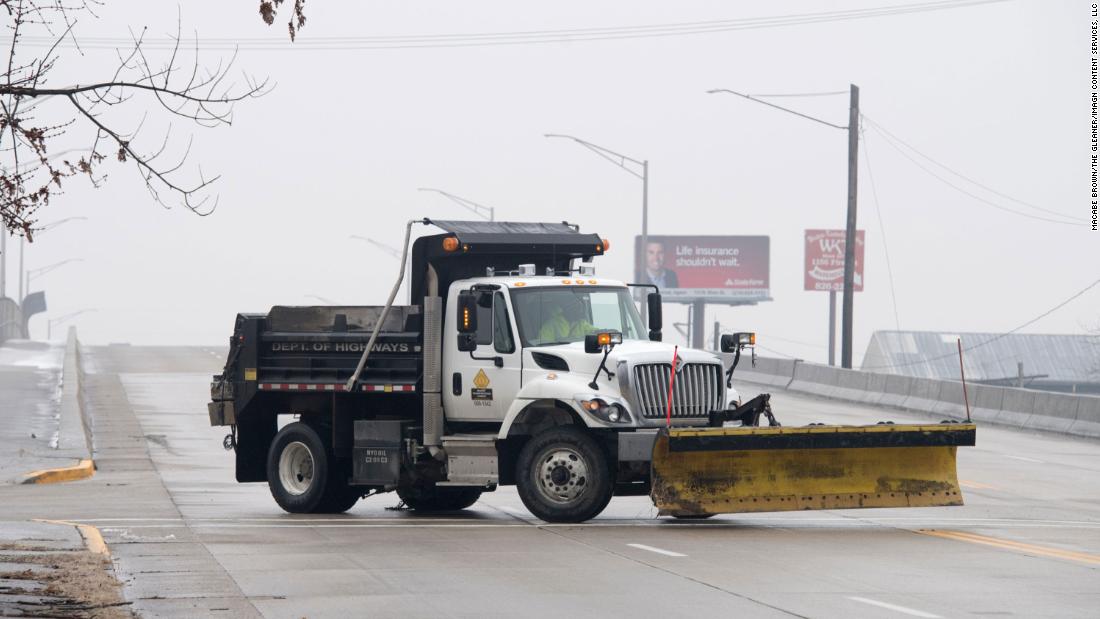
[986, 402]
[816, 379]
[1017, 407]
[11, 320]
[1053, 411]
[924, 395]
[1024, 408]
[1088, 417]
[773, 372]
[896, 390]
[950, 404]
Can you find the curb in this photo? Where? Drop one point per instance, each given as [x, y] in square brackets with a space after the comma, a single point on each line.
[84, 470]
[93, 539]
[74, 432]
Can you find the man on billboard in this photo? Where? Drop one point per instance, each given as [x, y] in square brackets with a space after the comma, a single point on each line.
[655, 270]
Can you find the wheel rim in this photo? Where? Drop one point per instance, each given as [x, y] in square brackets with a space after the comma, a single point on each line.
[562, 475]
[296, 468]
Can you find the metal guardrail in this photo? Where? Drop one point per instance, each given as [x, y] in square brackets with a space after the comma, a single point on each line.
[11, 320]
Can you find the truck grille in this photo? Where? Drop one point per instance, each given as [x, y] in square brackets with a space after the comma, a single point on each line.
[696, 392]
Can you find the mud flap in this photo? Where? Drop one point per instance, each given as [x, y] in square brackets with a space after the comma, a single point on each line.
[700, 471]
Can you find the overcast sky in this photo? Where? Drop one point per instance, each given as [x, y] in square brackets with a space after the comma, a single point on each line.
[998, 92]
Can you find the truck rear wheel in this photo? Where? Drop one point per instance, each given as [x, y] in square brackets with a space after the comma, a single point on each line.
[432, 498]
[563, 476]
[339, 496]
[298, 469]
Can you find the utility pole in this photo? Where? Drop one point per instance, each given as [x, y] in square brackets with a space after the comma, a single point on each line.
[3, 263]
[850, 231]
[850, 228]
[832, 328]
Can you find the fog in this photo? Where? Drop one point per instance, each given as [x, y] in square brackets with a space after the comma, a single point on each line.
[998, 92]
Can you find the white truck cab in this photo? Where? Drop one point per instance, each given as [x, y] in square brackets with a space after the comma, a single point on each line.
[529, 348]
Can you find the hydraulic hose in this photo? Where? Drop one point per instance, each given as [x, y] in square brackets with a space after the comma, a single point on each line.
[389, 303]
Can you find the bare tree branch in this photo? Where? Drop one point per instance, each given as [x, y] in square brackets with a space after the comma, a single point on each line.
[30, 176]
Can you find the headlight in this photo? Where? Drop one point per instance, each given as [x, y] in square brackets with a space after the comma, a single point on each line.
[612, 413]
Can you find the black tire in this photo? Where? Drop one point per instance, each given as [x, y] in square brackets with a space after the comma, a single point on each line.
[432, 498]
[298, 469]
[563, 476]
[339, 496]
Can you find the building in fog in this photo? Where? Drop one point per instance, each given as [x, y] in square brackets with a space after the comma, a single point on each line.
[1068, 363]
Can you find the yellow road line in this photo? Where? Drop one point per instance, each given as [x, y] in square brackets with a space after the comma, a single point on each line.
[975, 485]
[84, 470]
[1032, 549]
[93, 539]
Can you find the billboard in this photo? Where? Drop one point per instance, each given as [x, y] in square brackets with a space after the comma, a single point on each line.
[825, 260]
[717, 269]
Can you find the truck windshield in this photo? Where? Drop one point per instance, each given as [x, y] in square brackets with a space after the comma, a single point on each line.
[560, 315]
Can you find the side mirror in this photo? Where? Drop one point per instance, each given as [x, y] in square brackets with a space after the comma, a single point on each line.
[737, 341]
[653, 310]
[466, 313]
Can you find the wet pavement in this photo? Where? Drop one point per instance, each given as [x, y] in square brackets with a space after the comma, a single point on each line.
[188, 540]
[30, 384]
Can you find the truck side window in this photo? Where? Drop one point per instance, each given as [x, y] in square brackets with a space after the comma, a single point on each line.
[484, 324]
[502, 327]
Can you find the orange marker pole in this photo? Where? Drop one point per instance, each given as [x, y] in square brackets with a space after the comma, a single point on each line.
[962, 371]
[671, 382]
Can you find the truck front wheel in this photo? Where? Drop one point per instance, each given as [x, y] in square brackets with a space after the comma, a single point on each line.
[298, 469]
[563, 476]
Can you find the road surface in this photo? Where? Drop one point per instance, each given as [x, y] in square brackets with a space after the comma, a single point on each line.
[188, 540]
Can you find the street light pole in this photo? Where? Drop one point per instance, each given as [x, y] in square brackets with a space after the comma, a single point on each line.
[22, 239]
[478, 209]
[47, 269]
[60, 319]
[645, 217]
[389, 249]
[22, 242]
[621, 161]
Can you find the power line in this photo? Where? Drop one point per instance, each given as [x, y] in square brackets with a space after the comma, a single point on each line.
[992, 339]
[963, 191]
[962, 176]
[485, 39]
[881, 229]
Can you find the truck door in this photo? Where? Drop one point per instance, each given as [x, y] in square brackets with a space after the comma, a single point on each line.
[477, 387]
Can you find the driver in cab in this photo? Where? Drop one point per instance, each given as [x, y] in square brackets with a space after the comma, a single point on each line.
[558, 327]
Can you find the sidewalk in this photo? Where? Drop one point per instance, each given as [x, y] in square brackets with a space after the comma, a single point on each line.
[30, 413]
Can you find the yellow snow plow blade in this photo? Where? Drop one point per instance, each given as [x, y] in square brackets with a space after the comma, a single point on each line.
[698, 471]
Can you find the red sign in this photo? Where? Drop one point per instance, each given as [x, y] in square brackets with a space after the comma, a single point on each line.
[825, 260]
[719, 269]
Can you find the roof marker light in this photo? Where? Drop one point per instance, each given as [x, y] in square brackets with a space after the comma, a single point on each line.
[450, 244]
